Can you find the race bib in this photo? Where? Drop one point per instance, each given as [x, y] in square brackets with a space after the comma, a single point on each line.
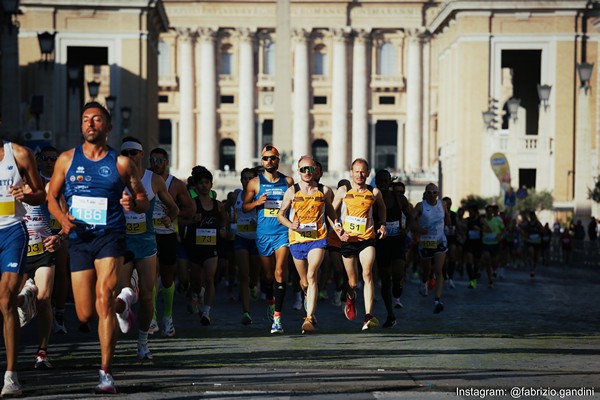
[428, 242]
[89, 210]
[7, 205]
[272, 208]
[307, 231]
[157, 216]
[489, 237]
[245, 225]
[355, 224]
[135, 223]
[393, 228]
[35, 246]
[206, 237]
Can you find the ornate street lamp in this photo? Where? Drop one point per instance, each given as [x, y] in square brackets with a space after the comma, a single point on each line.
[93, 89]
[585, 73]
[46, 41]
[544, 95]
[513, 108]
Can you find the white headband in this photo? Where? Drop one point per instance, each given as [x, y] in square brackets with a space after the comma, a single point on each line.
[131, 145]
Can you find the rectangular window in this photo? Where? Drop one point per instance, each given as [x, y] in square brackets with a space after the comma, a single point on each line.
[320, 100]
[387, 100]
[527, 177]
[163, 99]
[227, 99]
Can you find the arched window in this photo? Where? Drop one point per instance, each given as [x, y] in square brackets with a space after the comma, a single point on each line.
[320, 57]
[226, 60]
[227, 155]
[320, 151]
[387, 60]
[164, 60]
[270, 59]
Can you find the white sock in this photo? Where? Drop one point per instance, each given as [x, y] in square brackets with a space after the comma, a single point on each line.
[143, 336]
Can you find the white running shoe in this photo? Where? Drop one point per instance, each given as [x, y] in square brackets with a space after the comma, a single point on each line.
[106, 385]
[143, 352]
[451, 283]
[127, 317]
[11, 387]
[153, 328]
[169, 328]
[28, 310]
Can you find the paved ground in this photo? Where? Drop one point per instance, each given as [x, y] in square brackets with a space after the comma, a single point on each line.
[524, 333]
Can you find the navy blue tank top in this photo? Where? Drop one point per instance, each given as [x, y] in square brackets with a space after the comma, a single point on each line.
[93, 190]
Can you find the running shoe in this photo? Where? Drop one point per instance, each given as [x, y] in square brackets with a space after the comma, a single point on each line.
[350, 308]
[323, 295]
[41, 361]
[143, 352]
[246, 320]
[370, 322]
[106, 385]
[431, 283]
[423, 289]
[135, 286]
[153, 328]
[127, 317]
[59, 323]
[194, 304]
[472, 283]
[438, 308]
[169, 328]
[270, 309]
[276, 327]
[397, 304]
[337, 298]
[390, 322]
[11, 387]
[308, 326]
[205, 319]
[451, 284]
[28, 310]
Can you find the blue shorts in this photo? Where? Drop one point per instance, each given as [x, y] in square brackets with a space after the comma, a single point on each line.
[267, 244]
[142, 245]
[245, 244]
[300, 250]
[84, 252]
[13, 248]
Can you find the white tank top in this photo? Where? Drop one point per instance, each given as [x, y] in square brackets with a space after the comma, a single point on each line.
[11, 211]
[432, 218]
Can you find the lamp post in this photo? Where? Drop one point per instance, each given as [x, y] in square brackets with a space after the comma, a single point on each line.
[111, 101]
[93, 89]
[584, 70]
[46, 41]
[544, 95]
[513, 108]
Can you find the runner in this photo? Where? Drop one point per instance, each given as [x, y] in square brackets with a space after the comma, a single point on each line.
[17, 165]
[473, 245]
[141, 241]
[451, 236]
[432, 215]
[390, 251]
[93, 177]
[166, 237]
[493, 231]
[246, 253]
[309, 203]
[265, 193]
[355, 203]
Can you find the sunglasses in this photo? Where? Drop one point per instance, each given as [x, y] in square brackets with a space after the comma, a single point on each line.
[48, 158]
[432, 192]
[272, 158]
[128, 153]
[309, 169]
[157, 160]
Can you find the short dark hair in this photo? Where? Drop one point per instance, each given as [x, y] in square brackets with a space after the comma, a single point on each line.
[46, 149]
[199, 172]
[160, 150]
[95, 104]
[252, 171]
[130, 139]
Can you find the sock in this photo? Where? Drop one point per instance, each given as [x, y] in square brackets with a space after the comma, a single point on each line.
[11, 374]
[279, 290]
[206, 311]
[143, 336]
[168, 295]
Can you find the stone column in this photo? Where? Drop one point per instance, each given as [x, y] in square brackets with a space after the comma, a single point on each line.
[338, 151]
[360, 135]
[426, 142]
[186, 144]
[301, 141]
[414, 106]
[400, 146]
[207, 145]
[583, 172]
[246, 144]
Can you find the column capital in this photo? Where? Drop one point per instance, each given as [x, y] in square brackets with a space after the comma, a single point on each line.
[300, 35]
[340, 34]
[362, 35]
[187, 34]
[417, 34]
[206, 34]
[246, 34]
